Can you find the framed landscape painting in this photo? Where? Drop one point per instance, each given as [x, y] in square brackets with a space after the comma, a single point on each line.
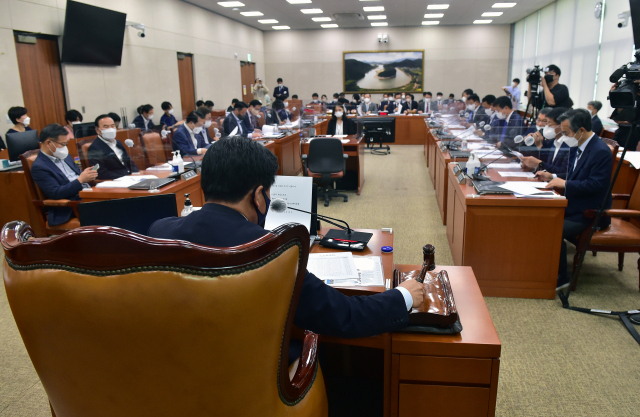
[377, 72]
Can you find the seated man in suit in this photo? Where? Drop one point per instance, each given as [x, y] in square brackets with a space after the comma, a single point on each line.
[425, 105]
[594, 107]
[251, 119]
[585, 184]
[475, 109]
[384, 103]
[314, 99]
[204, 134]
[554, 152]
[396, 107]
[187, 138]
[541, 122]
[56, 174]
[237, 175]
[167, 120]
[367, 107]
[109, 153]
[144, 119]
[439, 101]
[236, 119]
[513, 123]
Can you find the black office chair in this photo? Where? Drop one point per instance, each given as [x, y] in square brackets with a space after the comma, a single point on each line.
[327, 163]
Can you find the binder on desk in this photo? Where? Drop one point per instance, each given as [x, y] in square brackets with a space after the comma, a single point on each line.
[490, 187]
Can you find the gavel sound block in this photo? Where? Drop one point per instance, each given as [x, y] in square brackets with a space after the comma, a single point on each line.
[439, 307]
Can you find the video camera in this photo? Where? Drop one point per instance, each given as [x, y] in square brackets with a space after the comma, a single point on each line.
[533, 76]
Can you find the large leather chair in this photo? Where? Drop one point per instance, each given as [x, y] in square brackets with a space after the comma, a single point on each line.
[41, 202]
[83, 150]
[326, 163]
[119, 324]
[157, 149]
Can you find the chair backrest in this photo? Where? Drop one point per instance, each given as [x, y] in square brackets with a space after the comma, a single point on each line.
[121, 324]
[613, 145]
[156, 149]
[325, 155]
[83, 150]
[35, 193]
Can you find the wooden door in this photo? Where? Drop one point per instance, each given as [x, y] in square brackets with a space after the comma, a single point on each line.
[248, 73]
[41, 81]
[187, 91]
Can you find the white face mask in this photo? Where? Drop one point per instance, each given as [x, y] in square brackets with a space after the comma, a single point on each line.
[403, 96]
[427, 99]
[549, 132]
[108, 134]
[513, 85]
[367, 100]
[197, 129]
[489, 112]
[464, 99]
[539, 128]
[439, 98]
[471, 107]
[286, 104]
[150, 117]
[572, 142]
[500, 116]
[26, 121]
[170, 111]
[61, 153]
[339, 114]
[280, 84]
[207, 123]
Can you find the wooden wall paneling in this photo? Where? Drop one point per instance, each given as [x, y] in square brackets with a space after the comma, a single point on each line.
[41, 82]
[187, 90]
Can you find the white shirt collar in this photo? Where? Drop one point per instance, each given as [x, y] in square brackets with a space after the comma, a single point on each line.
[509, 116]
[188, 129]
[586, 142]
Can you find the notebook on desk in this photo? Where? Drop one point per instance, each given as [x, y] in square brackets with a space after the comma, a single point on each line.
[146, 184]
[490, 187]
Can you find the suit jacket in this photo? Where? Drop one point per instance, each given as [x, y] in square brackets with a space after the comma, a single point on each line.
[384, 103]
[321, 308]
[596, 125]
[511, 129]
[373, 107]
[139, 122]
[204, 137]
[249, 123]
[587, 184]
[391, 108]
[56, 186]
[230, 123]
[427, 107]
[496, 128]
[110, 165]
[560, 163]
[271, 118]
[182, 141]
[281, 93]
[531, 129]
[412, 106]
[348, 127]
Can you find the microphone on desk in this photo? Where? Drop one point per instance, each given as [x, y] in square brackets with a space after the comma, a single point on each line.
[130, 144]
[484, 167]
[278, 205]
[529, 140]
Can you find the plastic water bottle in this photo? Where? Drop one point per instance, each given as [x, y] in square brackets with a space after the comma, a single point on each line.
[473, 164]
[180, 163]
[464, 144]
[175, 166]
[188, 207]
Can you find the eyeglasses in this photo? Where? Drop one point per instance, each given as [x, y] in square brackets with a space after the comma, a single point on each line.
[62, 145]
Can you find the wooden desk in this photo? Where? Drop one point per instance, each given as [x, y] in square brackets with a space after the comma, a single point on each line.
[513, 244]
[287, 150]
[448, 375]
[355, 162]
[441, 182]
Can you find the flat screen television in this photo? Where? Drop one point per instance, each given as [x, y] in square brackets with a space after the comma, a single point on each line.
[92, 35]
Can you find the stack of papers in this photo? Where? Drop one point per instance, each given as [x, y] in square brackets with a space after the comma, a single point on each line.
[163, 167]
[342, 269]
[516, 174]
[125, 182]
[510, 165]
[524, 189]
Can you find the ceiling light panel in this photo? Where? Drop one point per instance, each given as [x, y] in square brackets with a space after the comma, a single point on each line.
[437, 7]
[321, 19]
[329, 26]
[482, 22]
[268, 21]
[281, 27]
[298, 1]
[311, 11]
[430, 22]
[433, 15]
[491, 14]
[250, 14]
[377, 17]
[374, 9]
[503, 5]
[230, 4]
[378, 23]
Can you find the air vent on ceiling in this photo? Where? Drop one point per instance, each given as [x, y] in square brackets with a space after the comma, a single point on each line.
[348, 17]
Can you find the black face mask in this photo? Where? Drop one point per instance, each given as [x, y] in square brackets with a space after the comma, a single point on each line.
[548, 78]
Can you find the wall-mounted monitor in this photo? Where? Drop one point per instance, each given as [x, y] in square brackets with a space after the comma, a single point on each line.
[92, 35]
[381, 72]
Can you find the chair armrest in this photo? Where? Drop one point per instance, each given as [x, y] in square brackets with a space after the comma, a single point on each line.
[623, 213]
[62, 203]
[308, 361]
[621, 197]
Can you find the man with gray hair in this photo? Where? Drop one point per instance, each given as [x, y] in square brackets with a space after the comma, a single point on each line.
[594, 107]
[585, 184]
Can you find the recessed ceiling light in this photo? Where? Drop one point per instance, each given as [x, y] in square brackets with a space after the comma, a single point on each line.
[280, 27]
[330, 25]
[433, 15]
[377, 17]
[230, 4]
[369, 0]
[430, 22]
[482, 22]
[321, 19]
[298, 1]
[491, 14]
[311, 11]
[374, 9]
[437, 6]
[249, 14]
[503, 5]
[267, 21]
[377, 23]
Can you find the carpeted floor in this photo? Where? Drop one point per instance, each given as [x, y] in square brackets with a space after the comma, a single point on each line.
[554, 362]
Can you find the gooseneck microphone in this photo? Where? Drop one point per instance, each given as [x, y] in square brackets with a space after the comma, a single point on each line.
[278, 205]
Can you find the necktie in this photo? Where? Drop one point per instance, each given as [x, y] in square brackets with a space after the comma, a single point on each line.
[504, 131]
[578, 154]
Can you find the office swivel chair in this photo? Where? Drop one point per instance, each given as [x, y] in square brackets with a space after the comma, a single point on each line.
[327, 163]
[83, 150]
[119, 324]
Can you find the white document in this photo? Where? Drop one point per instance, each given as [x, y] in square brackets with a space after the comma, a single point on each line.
[521, 188]
[339, 136]
[163, 167]
[345, 140]
[546, 194]
[333, 266]
[511, 165]
[535, 184]
[125, 182]
[370, 269]
[516, 174]
[296, 191]
[633, 158]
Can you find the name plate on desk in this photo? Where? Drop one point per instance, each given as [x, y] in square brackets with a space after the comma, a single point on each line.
[443, 148]
[188, 175]
[456, 169]
[461, 177]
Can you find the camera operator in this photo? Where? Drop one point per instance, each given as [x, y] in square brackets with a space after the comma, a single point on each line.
[555, 94]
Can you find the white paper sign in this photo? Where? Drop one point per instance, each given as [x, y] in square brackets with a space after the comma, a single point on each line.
[296, 191]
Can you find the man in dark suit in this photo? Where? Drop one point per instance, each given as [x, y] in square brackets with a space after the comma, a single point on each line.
[513, 124]
[594, 107]
[237, 175]
[280, 92]
[251, 118]
[187, 138]
[554, 152]
[410, 105]
[396, 107]
[426, 105]
[56, 174]
[109, 153]
[236, 119]
[585, 184]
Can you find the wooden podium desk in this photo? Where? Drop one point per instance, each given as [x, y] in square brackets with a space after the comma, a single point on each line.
[355, 163]
[453, 375]
[512, 244]
[287, 150]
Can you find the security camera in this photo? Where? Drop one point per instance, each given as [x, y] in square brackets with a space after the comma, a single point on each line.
[625, 19]
[143, 33]
[140, 26]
